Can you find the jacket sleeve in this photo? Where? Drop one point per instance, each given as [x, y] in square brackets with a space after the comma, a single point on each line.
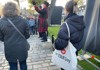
[1, 36]
[26, 32]
[42, 12]
[62, 39]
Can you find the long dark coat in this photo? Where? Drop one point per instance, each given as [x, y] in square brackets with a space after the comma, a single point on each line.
[42, 19]
[15, 45]
[76, 26]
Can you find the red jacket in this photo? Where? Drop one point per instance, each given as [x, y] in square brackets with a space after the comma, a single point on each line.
[42, 19]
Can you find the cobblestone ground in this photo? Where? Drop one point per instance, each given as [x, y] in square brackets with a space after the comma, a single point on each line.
[39, 56]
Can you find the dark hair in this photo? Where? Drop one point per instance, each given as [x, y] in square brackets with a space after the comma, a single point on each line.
[70, 6]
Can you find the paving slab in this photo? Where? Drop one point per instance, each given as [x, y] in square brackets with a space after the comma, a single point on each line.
[39, 55]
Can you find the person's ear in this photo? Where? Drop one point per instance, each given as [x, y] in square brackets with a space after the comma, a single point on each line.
[66, 12]
[75, 9]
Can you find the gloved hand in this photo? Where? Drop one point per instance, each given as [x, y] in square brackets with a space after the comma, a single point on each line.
[33, 2]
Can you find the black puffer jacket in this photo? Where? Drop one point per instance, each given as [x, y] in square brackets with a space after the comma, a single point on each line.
[15, 45]
[76, 26]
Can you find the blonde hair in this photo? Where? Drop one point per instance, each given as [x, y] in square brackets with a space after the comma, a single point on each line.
[1, 9]
[11, 9]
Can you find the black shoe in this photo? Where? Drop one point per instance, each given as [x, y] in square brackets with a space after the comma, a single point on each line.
[44, 41]
[41, 39]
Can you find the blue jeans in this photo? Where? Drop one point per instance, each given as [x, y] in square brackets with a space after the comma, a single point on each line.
[14, 65]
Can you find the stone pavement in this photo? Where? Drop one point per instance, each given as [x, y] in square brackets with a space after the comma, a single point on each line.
[39, 56]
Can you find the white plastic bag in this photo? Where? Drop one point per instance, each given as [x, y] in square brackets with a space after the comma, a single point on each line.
[66, 59]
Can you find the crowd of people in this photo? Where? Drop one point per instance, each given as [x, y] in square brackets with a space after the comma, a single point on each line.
[32, 25]
[16, 47]
[39, 24]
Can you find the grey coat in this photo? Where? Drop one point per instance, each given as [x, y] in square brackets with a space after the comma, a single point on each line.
[15, 45]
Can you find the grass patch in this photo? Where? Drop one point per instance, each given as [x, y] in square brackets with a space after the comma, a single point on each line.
[86, 66]
[53, 30]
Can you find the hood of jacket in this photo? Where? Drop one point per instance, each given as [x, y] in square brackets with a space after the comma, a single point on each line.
[77, 22]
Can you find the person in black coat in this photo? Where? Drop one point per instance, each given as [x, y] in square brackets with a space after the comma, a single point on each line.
[76, 26]
[15, 46]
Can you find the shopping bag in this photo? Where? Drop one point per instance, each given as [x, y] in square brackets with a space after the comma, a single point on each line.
[66, 58]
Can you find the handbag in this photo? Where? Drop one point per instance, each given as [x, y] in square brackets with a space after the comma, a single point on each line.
[66, 58]
[28, 45]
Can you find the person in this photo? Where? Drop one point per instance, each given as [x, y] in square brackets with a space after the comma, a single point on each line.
[42, 20]
[76, 26]
[15, 46]
[1, 10]
[32, 25]
[36, 24]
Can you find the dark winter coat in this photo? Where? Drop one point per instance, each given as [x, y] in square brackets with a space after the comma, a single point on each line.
[15, 45]
[76, 26]
[42, 19]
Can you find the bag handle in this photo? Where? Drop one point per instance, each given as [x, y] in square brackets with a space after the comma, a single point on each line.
[68, 30]
[16, 28]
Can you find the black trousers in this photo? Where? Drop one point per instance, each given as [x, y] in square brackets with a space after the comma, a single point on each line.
[32, 30]
[36, 31]
[44, 35]
[14, 65]
[40, 34]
